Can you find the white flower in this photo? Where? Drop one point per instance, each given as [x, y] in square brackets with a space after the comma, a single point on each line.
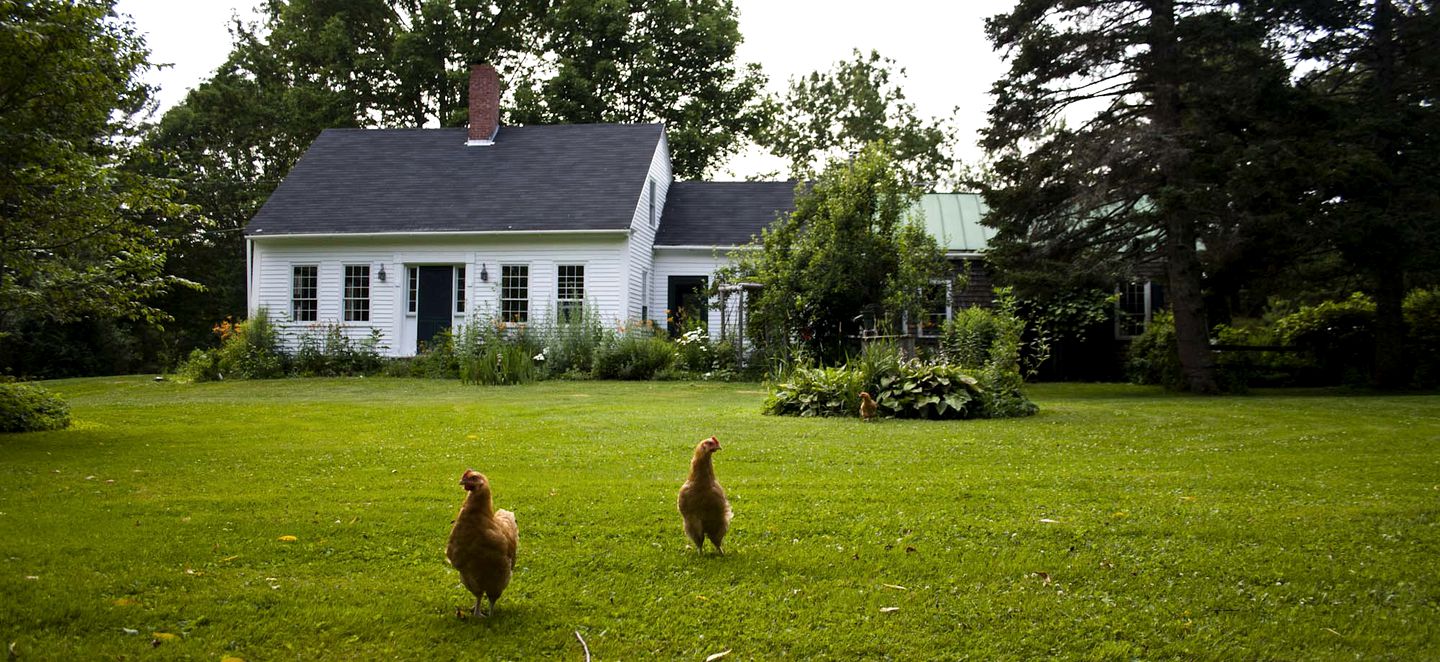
[539, 357]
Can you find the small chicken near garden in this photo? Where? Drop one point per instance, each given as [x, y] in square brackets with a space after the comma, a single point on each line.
[483, 542]
[868, 408]
[703, 506]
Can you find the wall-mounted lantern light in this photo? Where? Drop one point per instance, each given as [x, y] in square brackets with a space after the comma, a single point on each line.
[382, 273]
[484, 275]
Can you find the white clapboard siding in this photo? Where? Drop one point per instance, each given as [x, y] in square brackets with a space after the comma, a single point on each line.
[641, 253]
[686, 262]
[273, 259]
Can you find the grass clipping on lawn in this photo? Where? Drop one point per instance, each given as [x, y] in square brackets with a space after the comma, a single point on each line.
[309, 518]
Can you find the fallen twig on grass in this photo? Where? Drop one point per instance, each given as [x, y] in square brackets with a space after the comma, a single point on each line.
[583, 645]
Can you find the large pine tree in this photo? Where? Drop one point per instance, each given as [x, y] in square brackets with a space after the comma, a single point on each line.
[1116, 135]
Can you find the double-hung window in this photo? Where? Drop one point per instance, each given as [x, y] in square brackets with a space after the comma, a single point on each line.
[570, 291]
[515, 293]
[356, 306]
[1137, 305]
[304, 293]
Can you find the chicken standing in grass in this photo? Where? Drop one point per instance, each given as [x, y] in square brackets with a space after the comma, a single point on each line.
[482, 544]
[703, 506]
[867, 407]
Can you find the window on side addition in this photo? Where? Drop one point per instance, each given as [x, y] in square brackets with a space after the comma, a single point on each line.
[937, 309]
[304, 294]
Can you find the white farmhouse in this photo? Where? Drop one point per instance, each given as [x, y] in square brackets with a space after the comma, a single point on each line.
[411, 231]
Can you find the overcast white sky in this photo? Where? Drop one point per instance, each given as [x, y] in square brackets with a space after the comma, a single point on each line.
[940, 43]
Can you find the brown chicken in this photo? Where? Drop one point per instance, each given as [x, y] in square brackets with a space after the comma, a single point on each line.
[867, 407]
[703, 506]
[482, 544]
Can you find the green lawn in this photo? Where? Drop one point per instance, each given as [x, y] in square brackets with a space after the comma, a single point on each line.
[1119, 523]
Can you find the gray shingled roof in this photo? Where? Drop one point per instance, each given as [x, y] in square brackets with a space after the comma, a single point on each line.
[534, 178]
[721, 213]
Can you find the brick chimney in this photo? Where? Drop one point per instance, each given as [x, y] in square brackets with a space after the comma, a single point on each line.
[484, 104]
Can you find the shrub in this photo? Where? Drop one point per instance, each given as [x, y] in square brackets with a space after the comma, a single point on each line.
[636, 353]
[878, 359]
[833, 391]
[248, 350]
[904, 389]
[989, 387]
[693, 351]
[1422, 318]
[570, 345]
[490, 351]
[436, 358]
[1000, 377]
[325, 351]
[1155, 355]
[967, 337]
[203, 365]
[30, 408]
[922, 390]
[1338, 334]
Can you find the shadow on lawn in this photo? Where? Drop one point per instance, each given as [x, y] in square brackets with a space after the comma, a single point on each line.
[1119, 391]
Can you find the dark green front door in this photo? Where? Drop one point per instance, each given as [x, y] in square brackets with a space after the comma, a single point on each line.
[434, 309]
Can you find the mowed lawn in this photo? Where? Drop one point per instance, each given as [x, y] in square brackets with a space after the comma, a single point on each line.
[1121, 522]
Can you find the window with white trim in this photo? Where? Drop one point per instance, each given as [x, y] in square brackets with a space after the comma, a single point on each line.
[305, 293]
[356, 305]
[460, 289]
[570, 291]
[515, 293]
[412, 289]
[937, 308]
[1136, 306]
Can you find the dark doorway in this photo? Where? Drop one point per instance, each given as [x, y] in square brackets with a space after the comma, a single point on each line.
[686, 302]
[436, 305]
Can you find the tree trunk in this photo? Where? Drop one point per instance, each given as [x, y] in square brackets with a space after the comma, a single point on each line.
[1192, 334]
[1391, 368]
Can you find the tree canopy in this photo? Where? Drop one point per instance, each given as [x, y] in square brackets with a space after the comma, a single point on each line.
[1124, 133]
[78, 231]
[1374, 73]
[860, 101]
[850, 249]
[1278, 136]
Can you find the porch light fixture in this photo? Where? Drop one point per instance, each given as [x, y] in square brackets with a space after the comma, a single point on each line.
[382, 273]
[484, 275]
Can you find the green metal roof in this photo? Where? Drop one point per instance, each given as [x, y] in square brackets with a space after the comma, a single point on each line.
[954, 220]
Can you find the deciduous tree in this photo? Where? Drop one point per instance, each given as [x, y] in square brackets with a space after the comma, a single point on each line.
[836, 113]
[850, 248]
[78, 232]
